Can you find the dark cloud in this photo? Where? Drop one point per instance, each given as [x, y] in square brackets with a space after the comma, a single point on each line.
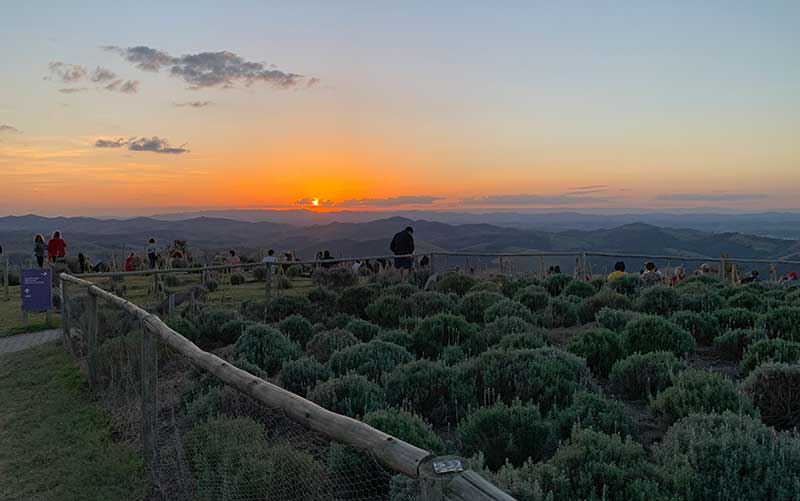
[67, 73]
[390, 201]
[156, 145]
[522, 199]
[72, 90]
[8, 129]
[111, 143]
[102, 75]
[193, 104]
[711, 197]
[210, 69]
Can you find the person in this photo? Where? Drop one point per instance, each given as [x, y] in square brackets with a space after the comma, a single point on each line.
[56, 248]
[551, 270]
[705, 269]
[83, 264]
[402, 244]
[651, 275]
[752, 278]
[424, 262]
[270, 257]
[326, 256]
[790, 280]
[152, 253]
[679, 275]
[619, 270]
[233, 259]
[131, 262]
[39, 249]
[356, 266]
[556, 269]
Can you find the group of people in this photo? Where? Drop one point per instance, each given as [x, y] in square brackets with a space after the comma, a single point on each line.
[55, 250]
[650, 275]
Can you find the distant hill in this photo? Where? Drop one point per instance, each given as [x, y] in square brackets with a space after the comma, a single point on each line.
[100, 237]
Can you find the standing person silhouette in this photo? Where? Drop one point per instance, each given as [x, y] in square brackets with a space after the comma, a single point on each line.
[56, 248]
[403, 244]
[39, 250]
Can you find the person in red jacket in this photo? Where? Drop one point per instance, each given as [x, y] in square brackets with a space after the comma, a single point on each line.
[56, 248]
[132, 263]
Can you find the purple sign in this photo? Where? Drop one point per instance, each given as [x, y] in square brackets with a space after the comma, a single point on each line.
[36, 287]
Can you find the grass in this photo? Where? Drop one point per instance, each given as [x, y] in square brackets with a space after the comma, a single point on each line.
[56, 443]
[11, 317]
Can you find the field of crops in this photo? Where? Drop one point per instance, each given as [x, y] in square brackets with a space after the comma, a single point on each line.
[555, 389]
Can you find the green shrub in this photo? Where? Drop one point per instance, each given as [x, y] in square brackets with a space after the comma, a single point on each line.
[354, 300]
[386, 310]
[362, 329]
[523, 340]
[266, 347]
[775, 390]
[728, 457]
[171, 280]
[703, 280]
[555, 284]
[230, 459]
[399, 337]
[508, 308]
[703, 327]
[650, 333]
[770, 351]
[211, 284]
[580, 289]
[658, 300]
[452, 355]
[696, 391]
[535, 297]
[206, 325]
[352, 395]
[486, 286]
[615, 320]
[326, 343]
[506, 433]
[237, 279]
[424, 304]
[473, 305]
[733, 344]
[500, 327]
[457, 283]
[783, 323]
[641, 375]
[699, 299]
[337, 321]
[589, 466]
[600, 347]
[749, 300]
[404, 290]
[606, 298]
[626, 285]
[545, 376]
[337, 277]
[322, 298]
[592, 410]
[297, 328]
[560, 312]
[299, 376]
[434, 333]
[406, 426]
[371, 359]
[280, 307]
[736, 318]
[432, 389]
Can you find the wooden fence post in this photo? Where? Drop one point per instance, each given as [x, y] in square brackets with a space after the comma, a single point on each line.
[65, 323]
[584, 268]
[459, 484]
[91, 338]
[149, 400]
[5, 279]
[433, 266]
[722, 269]
[268, 281]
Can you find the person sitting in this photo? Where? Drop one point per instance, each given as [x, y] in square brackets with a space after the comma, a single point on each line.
[132, 262]
[619, 271]
[790, 280]
[752, 278]
[679, 275]
[651, 275]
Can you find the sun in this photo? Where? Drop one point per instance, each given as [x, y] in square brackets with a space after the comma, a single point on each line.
[315, 202]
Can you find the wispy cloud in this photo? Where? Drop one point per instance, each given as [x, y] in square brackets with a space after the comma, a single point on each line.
[390, 201]
[193, 104]
[67, 73]
[105, 78]
[153, 144]
[102, 75]
[8, 129]
[222, 69]
[711, 197]
[72, 90]
[526, 199]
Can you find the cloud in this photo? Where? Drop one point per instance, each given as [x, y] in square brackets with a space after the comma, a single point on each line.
[8, 129]
[590, 187]
[110, 143]
[210, 69]
[524, 199]
[102, 75]
[154, 144]
[72, 90]
[126, 87]
[67, 73]
[390, 201]
[711, 197]
[309, 202]
[193, 104]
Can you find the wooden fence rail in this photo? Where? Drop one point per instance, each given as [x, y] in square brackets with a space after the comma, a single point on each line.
[393, 453]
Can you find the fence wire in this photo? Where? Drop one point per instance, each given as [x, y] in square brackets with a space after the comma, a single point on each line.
[214, 442]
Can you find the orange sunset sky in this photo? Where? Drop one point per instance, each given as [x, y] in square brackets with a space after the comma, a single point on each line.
[110, 110]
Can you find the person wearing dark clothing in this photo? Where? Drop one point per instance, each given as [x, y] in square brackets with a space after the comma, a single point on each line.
[752, 278]
[326, 256]
[402, 244]
[39, 248]
[152, 253]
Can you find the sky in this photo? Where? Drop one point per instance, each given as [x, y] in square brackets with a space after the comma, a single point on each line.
[168, 106]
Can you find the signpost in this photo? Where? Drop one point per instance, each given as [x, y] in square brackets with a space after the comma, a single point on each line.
[36, 288]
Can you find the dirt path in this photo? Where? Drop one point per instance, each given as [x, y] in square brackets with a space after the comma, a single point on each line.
[12, 344]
